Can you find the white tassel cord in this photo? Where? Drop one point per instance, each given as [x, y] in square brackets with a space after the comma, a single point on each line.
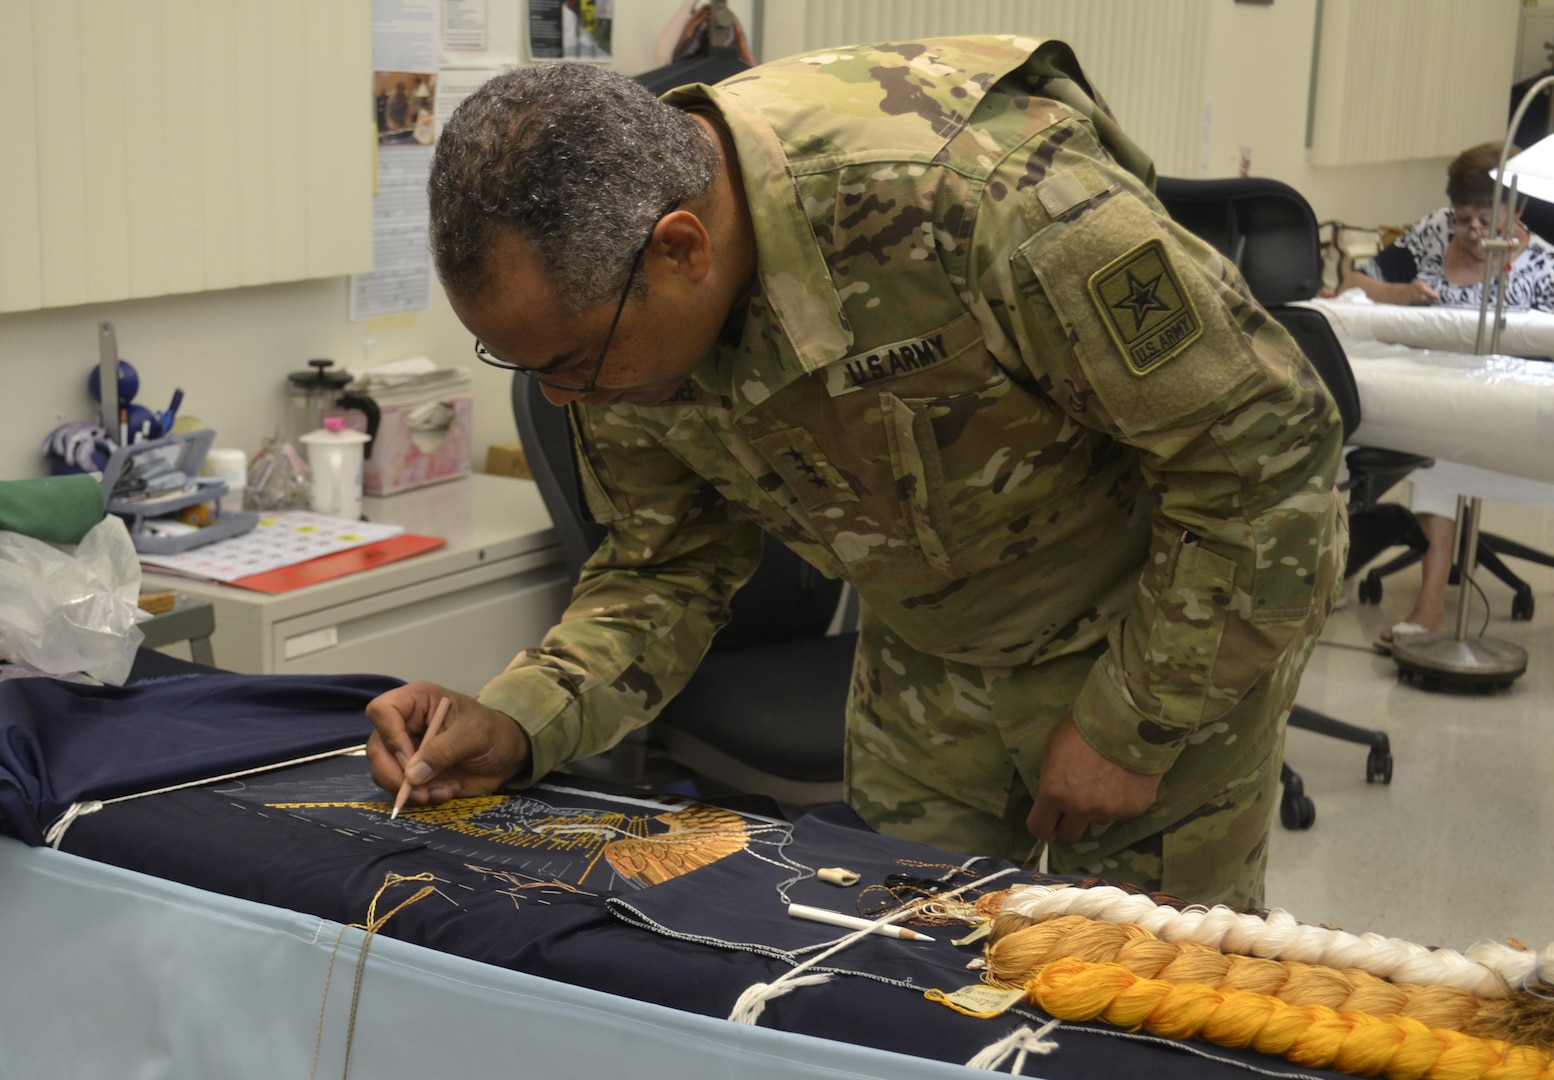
[1018, 1044]
[56, 832]
[753, 1001]
[1489, 970]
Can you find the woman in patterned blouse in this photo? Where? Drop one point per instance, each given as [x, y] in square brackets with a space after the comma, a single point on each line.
[1439, 260]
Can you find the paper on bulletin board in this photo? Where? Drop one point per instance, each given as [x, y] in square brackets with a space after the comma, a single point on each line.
[456, 84]
[406, 51]
[570, 29]
[405, 35]
[480, 33]
[401, 279]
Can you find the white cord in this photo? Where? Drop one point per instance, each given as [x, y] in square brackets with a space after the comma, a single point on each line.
[1018, 1044]
[754, 999]
[56, 832]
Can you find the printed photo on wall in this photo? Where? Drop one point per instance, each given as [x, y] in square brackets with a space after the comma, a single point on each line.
[405, 104]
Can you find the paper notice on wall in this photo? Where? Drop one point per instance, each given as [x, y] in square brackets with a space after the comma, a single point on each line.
[465, 25]
[456, 84]
[480, 33]
[570, 29]
[406, 50]
[401, 279]
[405, 35]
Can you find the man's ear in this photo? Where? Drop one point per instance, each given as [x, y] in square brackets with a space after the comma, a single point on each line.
[682, 241]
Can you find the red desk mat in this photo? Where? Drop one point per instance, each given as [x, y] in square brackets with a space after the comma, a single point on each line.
[328, 567]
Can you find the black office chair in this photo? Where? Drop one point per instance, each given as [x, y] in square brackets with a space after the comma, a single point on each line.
[718, 63]
[1268, 230]
[765, 712]
[1490, 547]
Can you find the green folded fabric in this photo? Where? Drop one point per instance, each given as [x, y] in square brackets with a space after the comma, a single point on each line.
[59, 509]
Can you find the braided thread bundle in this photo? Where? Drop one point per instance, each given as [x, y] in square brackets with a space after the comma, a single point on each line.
[1015, 957]
[1310, 1035]
[1489, 969]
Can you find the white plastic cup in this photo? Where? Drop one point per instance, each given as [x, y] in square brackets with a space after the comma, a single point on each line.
[230, 464]
[335, 460]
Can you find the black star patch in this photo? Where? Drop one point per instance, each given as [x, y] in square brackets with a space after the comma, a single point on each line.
[1141, 300]
[1146, 311]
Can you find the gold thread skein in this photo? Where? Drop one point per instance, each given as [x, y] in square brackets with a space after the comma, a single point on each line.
[1310, 1035]
[1014, 958]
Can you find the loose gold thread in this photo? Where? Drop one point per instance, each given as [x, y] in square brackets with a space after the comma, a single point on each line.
[373, 924]
[951, 867]
[513, 880]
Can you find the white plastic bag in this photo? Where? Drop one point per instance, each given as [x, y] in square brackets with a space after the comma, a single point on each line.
[64, 610]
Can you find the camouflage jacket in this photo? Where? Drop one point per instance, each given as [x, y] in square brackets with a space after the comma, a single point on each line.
[982, 377]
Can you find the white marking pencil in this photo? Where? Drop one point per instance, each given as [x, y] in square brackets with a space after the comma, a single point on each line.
[853, 922]
[431, 730]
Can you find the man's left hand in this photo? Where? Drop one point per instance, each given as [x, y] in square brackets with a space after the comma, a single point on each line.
[1080, 788]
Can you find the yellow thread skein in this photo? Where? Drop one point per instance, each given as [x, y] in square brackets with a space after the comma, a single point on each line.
[1310, 1035]
[1015, 957]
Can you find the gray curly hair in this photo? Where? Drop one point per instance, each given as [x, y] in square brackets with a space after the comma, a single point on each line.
[578, 160]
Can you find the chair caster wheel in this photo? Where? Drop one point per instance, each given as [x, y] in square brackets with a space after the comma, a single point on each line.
[1378, 767]
[1522, 604]
[1370, 588]
[1297, 812]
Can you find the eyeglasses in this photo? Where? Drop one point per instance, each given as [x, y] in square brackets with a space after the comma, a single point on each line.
[1458, 221]
[572, 386]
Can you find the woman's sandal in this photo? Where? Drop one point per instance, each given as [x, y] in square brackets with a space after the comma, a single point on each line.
[1397, 630]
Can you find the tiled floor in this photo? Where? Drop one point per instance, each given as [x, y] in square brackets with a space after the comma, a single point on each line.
[1460, 846]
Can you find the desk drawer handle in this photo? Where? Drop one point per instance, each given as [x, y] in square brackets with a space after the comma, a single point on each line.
[311, 642]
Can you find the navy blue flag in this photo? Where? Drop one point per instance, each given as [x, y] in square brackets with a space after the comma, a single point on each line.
[62, 742]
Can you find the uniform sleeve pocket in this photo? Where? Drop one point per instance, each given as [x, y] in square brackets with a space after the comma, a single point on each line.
[914, 462]
[596, 497]
[1184, 639]
[1150, 327]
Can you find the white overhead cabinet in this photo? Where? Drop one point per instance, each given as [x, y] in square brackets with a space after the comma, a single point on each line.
[172, 146]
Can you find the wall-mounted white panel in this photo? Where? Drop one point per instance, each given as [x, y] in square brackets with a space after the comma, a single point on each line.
[182, 177]
[287, 93]
[1399, 80]
[164, 146]
[106, 119]
[220, 131]
[21, 266]
[145, 146]
[61, 154]
[1145, 57]
[339, 136]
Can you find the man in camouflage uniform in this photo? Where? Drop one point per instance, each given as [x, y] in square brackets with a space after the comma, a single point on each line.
[925, 323]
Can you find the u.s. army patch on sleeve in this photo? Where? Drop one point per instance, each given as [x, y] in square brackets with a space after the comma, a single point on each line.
[1146, 310]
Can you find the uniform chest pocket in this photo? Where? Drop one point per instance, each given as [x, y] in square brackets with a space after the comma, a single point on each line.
[958, 472]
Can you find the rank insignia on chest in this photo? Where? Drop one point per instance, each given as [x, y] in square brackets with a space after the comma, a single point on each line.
[1147, 312]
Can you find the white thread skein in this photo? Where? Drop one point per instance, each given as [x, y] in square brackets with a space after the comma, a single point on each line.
[1489, 970]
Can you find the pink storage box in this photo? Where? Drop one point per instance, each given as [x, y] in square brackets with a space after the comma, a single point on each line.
[398, 464]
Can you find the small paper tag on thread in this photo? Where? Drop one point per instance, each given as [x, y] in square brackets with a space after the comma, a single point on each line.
[980, 931]
[984, 1002]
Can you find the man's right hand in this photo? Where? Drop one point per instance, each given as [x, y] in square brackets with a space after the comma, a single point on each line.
[476, 752]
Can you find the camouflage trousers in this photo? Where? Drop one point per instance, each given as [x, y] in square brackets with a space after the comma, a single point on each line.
[949, 754]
